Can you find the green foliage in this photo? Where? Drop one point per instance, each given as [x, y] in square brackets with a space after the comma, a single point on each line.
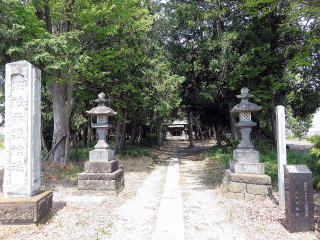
[315, 152]
[316, 140]
[79, 154]
[135, 150]
[150, 140]
[268, 155]
[217, 160]
[1, 142]
[299, 126]
[222, 154]
[70, 172]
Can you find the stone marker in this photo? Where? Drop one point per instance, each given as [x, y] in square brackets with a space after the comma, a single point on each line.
[102, 171]
[281, 151]
[299, 198]
[23, 202]
[246, 178]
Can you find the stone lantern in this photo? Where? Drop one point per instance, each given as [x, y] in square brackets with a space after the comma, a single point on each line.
[246, 177]
[102, 171]
[102, 112]
[245, 158]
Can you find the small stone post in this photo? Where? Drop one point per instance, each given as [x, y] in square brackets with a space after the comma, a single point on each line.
[282, 152]
[22, 147]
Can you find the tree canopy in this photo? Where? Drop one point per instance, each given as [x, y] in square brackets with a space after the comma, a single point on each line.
[154, 59]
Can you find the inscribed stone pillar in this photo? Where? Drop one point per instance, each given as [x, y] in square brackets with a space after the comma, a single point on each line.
[22, 116]
[281, 151]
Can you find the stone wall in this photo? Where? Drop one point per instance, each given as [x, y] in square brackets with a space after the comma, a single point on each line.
[246, 186]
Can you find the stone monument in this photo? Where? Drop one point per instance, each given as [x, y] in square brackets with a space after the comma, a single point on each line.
[102, 171]
[246, 178]
[299, 198]
[23, 202]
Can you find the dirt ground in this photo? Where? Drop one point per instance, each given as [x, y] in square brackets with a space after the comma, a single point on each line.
[133, 212]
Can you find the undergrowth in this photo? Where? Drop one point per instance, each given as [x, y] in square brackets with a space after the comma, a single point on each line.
[268, 155]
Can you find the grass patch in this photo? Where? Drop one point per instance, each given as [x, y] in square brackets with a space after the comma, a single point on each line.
[135, 150]
[79, 154]
[217, 161]
[57, 171]
[1, 142]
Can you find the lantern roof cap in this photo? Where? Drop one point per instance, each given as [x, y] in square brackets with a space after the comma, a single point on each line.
[101, 109]
[245, 105]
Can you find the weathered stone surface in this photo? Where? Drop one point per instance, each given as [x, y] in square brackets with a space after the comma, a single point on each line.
[25, 210]
[299, 198]
[23, 121]
[101, 167]
[249, 197]
[236, 187]
[95, 181]
[97, 185]
[101, 155]
[258, 189]
[247, 168]
[248, 178]
[236, 196]
[101, 176]
[246, 156]
[1, 179]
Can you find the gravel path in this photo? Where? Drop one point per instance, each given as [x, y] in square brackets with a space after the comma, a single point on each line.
[207, 215]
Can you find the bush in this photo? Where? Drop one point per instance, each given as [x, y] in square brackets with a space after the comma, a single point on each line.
[315, 153]
[150, 140]
[299, 126]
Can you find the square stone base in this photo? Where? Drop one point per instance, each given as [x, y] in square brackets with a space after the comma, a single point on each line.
[246, 168]
[101, 181]
[101, 155]
[246, 155]
[246, 186]
[101, 167]
[25, 210]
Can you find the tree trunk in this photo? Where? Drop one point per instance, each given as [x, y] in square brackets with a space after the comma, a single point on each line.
[62, 106]
[273, 125]
[134, 131]
[200, 132]
[123, 135]
[139, 135]
[234, 133]
[118, 133]
[159, 141]
[191, 144]
[85, 134]
[43, 143]
[217, 130]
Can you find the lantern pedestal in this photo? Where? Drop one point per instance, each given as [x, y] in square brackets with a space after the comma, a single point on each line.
[246, 161]
[102, 172]
[101, 155]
